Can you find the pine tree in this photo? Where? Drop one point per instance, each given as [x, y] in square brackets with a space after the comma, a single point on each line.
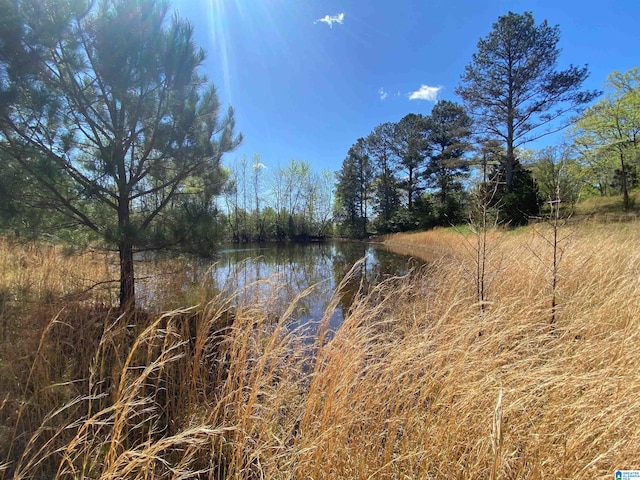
[513, 90]
[112, 118]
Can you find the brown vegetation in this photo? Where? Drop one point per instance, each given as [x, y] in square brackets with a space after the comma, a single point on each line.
[417, 383]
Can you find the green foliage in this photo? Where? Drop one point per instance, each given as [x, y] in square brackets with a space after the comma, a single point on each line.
[389, 171]
[558, 177]
[513, 90]
[113, 120]
[402, 220]
[518, 205]
[491, 202]
[296, 205]
[513, 93]
[607, 134]
[353, 191]
[382, 147]
[411, 145]
[449, 132]
[425, 213]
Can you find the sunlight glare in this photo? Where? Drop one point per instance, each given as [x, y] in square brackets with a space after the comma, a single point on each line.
[219, 34]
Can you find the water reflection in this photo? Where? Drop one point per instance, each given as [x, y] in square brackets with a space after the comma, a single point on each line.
[292, 268]
[272, 276]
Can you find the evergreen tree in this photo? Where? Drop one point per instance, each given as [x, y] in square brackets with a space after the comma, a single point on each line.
[410, 133]
[449, 132]
[353, 190]
[383, 151]
[513, 90]
[112, 118]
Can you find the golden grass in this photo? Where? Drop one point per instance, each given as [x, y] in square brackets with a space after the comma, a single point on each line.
[418, 382]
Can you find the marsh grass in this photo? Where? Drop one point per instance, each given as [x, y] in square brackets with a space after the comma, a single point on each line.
[416, 383]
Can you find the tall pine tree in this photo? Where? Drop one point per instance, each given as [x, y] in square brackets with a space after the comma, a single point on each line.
[111, 117]
[512, 87]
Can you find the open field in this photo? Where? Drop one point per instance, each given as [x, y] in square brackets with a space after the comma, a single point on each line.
[421, 381]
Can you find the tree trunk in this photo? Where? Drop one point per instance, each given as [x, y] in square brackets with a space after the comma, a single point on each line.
[127, 277]
[125, 248]
[509, 164]
[410, 191]
[363, 209]
[625, 190]
[444, 187]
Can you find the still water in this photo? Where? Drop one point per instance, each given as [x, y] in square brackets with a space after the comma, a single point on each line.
[272, 276]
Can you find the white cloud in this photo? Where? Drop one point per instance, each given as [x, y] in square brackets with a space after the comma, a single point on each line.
[258, 166]
[331, 19]
[425, 92]
[384, 94]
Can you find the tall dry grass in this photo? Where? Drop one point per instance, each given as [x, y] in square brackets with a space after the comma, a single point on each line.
[418, 382]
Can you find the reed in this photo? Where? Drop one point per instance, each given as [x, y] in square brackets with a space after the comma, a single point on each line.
[418, 382]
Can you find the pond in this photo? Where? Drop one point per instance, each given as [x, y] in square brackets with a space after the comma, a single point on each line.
[274, 275]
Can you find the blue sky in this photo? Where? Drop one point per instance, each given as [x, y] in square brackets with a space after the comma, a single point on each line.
[306, 78]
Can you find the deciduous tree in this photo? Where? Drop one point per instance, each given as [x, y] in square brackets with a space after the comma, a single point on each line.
[611, 127]
[558, 176]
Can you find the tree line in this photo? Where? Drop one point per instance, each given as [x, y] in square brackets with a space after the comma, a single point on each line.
[293, 202]
[414, 173]
[383, 178]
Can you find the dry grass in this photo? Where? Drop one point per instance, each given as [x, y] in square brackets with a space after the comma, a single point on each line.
[417, 383]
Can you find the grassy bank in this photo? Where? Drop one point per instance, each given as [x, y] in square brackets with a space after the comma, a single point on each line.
[421, 381]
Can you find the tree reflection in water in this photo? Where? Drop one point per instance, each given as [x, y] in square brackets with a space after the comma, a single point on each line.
[271, 276]
[275, 275]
